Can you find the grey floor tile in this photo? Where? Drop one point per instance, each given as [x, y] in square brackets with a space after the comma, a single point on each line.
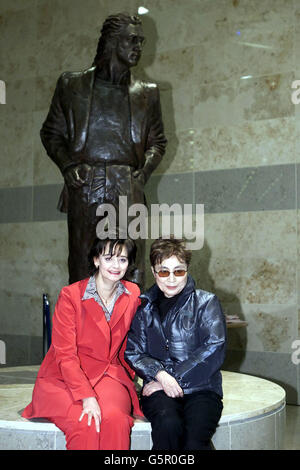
[140, 441]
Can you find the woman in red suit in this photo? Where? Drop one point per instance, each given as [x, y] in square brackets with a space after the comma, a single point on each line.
[84, 385]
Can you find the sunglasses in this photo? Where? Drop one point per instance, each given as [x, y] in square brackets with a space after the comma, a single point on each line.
[166, 272]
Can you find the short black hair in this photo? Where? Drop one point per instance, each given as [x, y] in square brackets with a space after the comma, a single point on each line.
[115, 247]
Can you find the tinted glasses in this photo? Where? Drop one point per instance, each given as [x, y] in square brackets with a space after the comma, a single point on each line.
[179, 272]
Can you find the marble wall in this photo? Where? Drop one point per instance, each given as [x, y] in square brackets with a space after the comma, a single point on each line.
[225, 69]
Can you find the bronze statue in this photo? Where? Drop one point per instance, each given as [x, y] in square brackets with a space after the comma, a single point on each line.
[104, 131]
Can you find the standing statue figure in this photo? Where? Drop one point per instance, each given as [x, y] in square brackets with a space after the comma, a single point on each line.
[104, 131]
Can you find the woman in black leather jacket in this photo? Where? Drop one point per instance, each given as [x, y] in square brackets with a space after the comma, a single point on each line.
[177, 345]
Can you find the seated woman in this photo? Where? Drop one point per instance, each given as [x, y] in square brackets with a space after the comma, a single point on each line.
[84, 385]
[177, 345]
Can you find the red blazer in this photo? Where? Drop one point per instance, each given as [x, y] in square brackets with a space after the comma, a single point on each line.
[84, 347]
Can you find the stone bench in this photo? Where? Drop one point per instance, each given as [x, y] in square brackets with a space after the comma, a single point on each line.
[253, 416]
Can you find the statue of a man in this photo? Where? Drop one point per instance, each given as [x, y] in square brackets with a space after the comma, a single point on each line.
[104, 131]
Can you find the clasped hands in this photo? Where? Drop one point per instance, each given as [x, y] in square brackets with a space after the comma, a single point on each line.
[167, 383]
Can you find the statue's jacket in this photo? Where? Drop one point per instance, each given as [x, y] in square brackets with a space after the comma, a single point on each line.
[189, 344]
[65, 130]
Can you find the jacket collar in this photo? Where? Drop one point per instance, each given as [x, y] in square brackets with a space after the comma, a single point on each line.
[151, 294]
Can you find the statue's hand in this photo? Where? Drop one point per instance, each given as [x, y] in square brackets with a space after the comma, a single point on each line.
[139, 174]
[76, 176]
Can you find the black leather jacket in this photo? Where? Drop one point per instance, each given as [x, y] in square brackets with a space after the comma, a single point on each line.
[189, 343]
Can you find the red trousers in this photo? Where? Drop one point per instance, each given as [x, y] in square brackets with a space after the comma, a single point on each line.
[116, 422]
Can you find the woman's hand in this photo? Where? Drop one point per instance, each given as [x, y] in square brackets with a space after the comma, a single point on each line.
[151, 387]
[169, 384]
[92, 409]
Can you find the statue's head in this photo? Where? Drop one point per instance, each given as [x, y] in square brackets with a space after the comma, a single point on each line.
[121, 35]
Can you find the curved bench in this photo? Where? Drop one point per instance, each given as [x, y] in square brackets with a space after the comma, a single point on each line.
[253, 416]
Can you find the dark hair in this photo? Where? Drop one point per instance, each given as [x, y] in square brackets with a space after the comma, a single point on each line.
[111, 28]
[115, 247]
[164, 248]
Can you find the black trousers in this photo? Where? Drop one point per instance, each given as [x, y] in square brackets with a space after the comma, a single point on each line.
[186, 423]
